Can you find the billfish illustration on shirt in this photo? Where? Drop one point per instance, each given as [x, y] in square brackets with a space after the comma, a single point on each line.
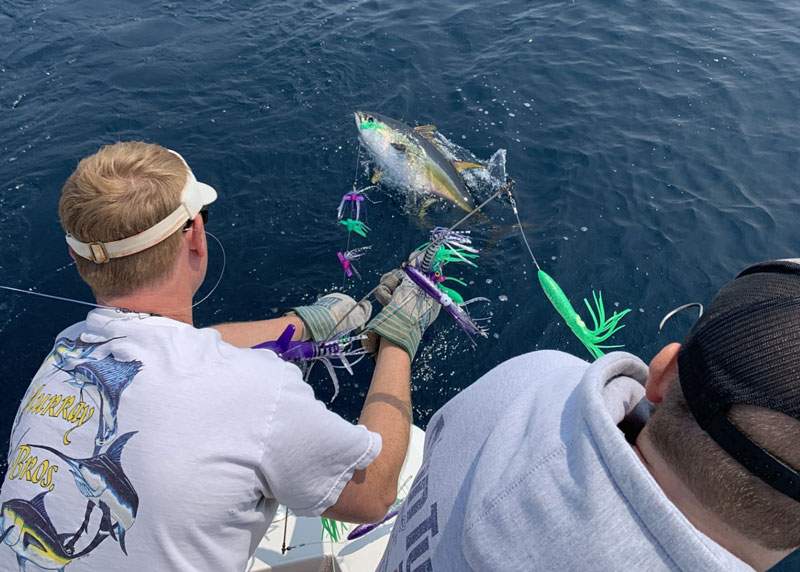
[104, 381]
[102, 480]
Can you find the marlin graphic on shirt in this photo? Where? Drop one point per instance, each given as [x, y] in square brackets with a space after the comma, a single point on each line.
[66, 349]
[27, 529]
[104, 381]
[102, 480]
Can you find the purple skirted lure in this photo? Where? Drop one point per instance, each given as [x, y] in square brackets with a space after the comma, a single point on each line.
[355, 198]
[447, 246]
[457, 310]
[346, 259]
[301, 351]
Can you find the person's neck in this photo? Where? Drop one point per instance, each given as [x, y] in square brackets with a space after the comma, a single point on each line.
[703, 519]
[173, 299]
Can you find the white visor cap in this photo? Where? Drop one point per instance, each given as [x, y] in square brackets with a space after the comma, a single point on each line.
[194, 197]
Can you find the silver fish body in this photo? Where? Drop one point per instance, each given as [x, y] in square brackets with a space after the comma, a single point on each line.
[410, 160]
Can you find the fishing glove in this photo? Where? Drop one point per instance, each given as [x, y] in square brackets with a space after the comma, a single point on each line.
[320, 318]
[405, 317]
[388, 284]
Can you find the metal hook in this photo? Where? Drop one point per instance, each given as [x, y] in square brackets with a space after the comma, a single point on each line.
[680, 309]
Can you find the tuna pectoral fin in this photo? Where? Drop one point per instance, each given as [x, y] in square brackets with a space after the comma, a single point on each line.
[426, 131]
[423, 210]
[461, 165]
[376, 176]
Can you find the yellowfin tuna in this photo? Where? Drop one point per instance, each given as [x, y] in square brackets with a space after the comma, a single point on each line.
[411, 158]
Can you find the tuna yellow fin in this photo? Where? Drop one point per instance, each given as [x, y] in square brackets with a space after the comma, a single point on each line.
[426, 131]
[461, 165]
[423, 210]
[376, 176]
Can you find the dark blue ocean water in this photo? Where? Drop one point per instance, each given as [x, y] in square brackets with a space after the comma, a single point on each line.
[655, 148]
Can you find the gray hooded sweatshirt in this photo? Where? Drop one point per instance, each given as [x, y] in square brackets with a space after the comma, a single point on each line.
[529, 469]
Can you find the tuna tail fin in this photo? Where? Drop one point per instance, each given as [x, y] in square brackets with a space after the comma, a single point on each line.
[461, 165]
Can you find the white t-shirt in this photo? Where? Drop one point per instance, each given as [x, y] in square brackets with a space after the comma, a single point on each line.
[173, 446]
[529, 469]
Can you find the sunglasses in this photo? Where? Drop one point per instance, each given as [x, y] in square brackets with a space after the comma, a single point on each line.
[203, 213]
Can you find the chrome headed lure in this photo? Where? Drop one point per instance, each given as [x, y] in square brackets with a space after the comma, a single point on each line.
[346, 259]
[336, 348]
[444, 247]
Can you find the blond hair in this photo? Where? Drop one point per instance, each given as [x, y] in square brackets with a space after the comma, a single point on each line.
[120, 191]
[738, 497]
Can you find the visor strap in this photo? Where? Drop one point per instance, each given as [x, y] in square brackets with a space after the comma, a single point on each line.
[100, 252]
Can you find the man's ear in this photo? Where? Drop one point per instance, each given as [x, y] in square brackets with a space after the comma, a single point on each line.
[72, 254]
[197, 236]
[663, 369]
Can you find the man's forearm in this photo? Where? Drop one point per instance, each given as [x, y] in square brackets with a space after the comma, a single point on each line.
[386, 411]
[249, 334]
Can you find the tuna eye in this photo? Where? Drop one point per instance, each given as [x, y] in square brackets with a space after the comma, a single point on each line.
[399, 146]
[370, 119]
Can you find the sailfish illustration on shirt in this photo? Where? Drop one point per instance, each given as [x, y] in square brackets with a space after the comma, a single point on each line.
[102, 480]
[104, 381]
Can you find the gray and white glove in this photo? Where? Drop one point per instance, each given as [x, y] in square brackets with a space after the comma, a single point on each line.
[320, 318]
[388, 284]
[407, 313]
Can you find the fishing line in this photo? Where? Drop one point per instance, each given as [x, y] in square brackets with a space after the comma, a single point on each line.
[125, 310]
[521, 231]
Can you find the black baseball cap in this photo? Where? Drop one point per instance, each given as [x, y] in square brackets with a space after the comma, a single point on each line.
[745, 349]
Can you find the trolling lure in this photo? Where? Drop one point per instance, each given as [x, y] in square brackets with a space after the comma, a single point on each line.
[355, 226]
[354, 198]
[346, 259]
[333, 528]
[603, 328]
[363, 529]
[338, 347]
[445, 246]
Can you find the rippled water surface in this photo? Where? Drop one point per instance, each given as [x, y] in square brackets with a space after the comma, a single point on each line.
[655, 148]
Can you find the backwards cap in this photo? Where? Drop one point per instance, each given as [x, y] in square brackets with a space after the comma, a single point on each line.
[194, 197]
[745, 349]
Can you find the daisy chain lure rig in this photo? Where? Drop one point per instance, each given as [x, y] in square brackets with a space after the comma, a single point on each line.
[353, 223]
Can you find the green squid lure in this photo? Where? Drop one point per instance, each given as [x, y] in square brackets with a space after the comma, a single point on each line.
[355, 226]
[603, 328]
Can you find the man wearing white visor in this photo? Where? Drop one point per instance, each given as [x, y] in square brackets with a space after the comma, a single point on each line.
[144, 443]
